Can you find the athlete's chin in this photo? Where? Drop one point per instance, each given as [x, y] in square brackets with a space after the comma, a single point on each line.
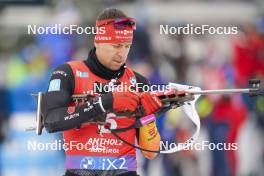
[115, 67]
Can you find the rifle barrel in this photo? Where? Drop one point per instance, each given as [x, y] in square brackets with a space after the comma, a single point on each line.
[221, 91]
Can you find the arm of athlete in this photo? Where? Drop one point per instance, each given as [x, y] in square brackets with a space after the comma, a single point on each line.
[148, 135]
[59, 116]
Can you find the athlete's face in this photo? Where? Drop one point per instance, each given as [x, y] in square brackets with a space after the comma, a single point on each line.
[112, 56]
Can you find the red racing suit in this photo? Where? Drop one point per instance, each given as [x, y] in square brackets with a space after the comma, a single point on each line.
[92, 146]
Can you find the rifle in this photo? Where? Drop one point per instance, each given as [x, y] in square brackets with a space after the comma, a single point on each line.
[173, 98]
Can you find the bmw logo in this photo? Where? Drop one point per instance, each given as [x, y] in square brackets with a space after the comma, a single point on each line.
[87, 163]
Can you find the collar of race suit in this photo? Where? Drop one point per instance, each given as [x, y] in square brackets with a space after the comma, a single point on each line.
[100, 70]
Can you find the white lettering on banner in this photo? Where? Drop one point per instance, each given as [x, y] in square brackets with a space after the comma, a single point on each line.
[32, 29]
[62, 29]
[125, 32]
[85, 146]
[101, 141]
[191, 29]
[71, 116]
[102, 150]
[101, 145]
[88, 108]
[59, 72]
[199, 146]
[109, 164]
[123, 163]
[103, 38]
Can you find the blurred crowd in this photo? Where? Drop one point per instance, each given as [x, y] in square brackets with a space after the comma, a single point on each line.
[206, 61]
[211, 63]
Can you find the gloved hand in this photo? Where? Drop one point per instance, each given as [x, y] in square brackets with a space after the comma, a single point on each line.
[150, 103]
[121, 101]
[125, 101]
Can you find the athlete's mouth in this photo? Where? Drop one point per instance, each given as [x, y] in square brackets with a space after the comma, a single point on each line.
[118, 61]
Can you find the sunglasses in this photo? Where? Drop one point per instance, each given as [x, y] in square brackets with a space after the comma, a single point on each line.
[119, 23]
